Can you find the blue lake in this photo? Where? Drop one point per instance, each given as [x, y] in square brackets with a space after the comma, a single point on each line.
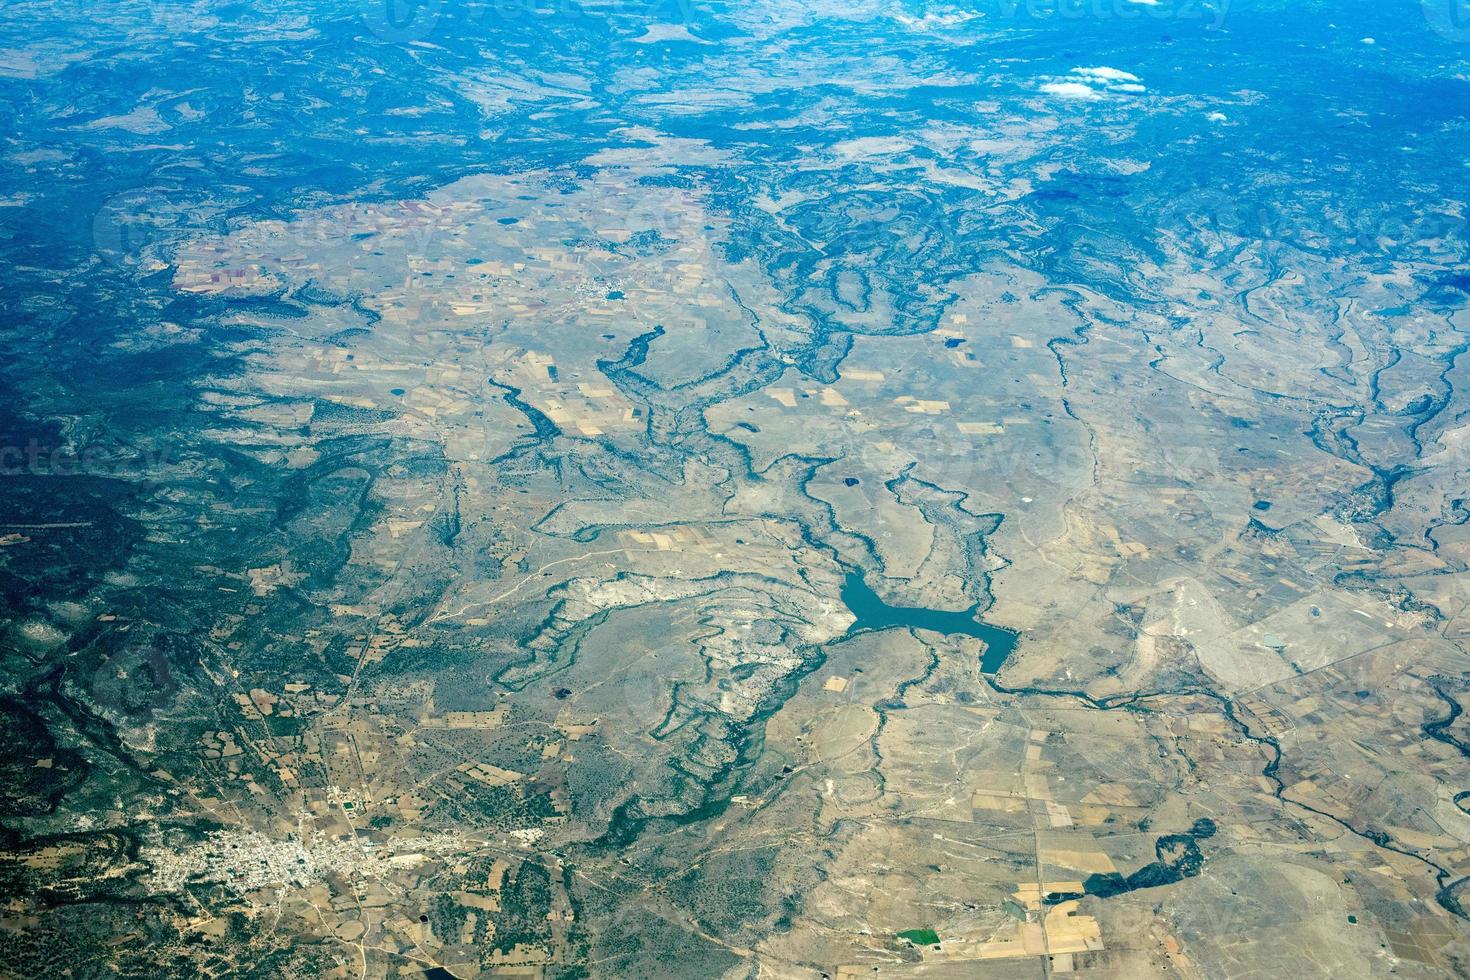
[874, 614]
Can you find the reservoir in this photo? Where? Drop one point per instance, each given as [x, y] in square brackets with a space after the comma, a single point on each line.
[874, 614]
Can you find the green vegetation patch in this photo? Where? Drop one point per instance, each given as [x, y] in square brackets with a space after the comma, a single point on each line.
[525, 903]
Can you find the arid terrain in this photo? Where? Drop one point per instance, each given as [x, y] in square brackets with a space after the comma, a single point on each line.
[779, 491]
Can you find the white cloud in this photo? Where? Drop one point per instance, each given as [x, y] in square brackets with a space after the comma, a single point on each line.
[1105, 74]
[1094, 83]
[949, 18]
[1070, 90]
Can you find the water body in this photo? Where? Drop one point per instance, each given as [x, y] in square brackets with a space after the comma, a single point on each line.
[874, 614]
[1179, 857]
